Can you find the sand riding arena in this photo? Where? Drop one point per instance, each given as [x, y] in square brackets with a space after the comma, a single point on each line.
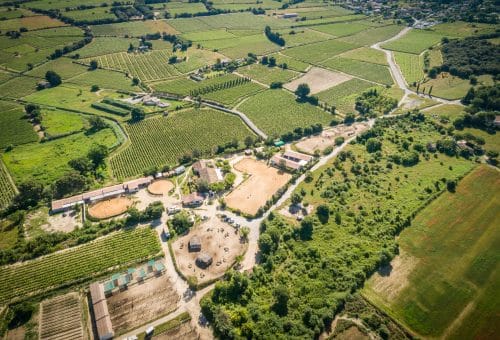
[110, 207]
[160, 187]
[256, 190]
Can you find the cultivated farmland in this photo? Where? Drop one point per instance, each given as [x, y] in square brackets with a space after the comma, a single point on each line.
[159, 141]
[61, 317]
[276, 112]
[7, 191]
[372, 72]
[411, 65]
[77, 264]
[267, 75]
[320, 51]
[415, 41]
[448, 269]
[16, 129]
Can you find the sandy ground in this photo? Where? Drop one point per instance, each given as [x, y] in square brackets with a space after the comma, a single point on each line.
[185, 331]
[327, 137]
[160, 187]
[391, 280]
[318, 80]
[253, 193]
[141, 303]
[64, 222]
[143, 198]
[218, 239]
[352, 333]
[16, 333]
[109, 208]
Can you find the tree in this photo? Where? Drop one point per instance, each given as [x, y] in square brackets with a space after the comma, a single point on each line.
[451, 185]
[172, 59]
[302, 91]
[180, 223]
[272, 61]
[248, 141]
[135, 81]
[97, 154]
[81, 164]
[373, 145]
[53, 78]
[137, 114]
[93, 65]
[266, 244]
[97, 123]
[323, 213]
[30, 193]
[19, 314]
[296, 198]
[281, 297]
[306, 228]
[68, 184]
[339, 140]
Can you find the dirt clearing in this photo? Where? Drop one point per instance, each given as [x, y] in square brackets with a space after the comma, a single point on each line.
[218, 239]
[142, 302]
[318, 80]
[327, 137]
[254, 192]
[160, 187]
[110, 208]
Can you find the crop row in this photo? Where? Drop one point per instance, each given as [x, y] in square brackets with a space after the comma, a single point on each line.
[159, 141]
[78, 263]
[221, 86]
[6, 189]
[149, 66]
[185, 86]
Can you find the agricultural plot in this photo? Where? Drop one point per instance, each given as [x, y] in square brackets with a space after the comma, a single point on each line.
[318, 80]
[240, 47]
[372, 72]
[372, 36]
[158, 141]
[46, 162]
[267, 75]
[105, 79]
[30, 23]
[343, 96]
[57, 123]
[411, 65]
[415, 41]
[88, 15]
[7, 190]
[133, 28]
[60, 4]
[16, 129]
[233, 95]
[105, 45]
[301, 36]
[65, 67]
[461, 29]
[324, 12]
[446, 86]
[186, 25]
[208, 35]
[243, 21]
[330, 20]
[446, 279]
[366, 54]
[175, 8]
[184, 86]
[342, 29]
[147, 66]
[317, 52]
[18, 87]
[291, 63]
[61, 318]
[276, 112]
[197, 58]
[78, 263]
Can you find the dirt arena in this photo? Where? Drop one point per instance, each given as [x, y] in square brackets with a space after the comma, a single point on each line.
[110, 208]
[141, 303]
[327, 137]
[218, 239]
[318, 80]
[254, 192]
[160, 187]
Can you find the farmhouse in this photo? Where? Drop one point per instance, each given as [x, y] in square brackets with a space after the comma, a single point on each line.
[207, 171]
[204, 260]
[192, 200]
[194, 244]
[101, 313]
[291, 160]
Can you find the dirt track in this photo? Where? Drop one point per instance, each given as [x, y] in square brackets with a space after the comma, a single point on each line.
[110, 208]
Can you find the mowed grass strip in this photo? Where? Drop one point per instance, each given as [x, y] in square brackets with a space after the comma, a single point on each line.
[79, 263]
[453, 245]
[277, 112]
[159, 141]
[373, 72]
[317, 52]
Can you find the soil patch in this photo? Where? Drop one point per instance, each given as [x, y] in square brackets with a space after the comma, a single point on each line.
[218, 239]
[318, 80]
[262, 184]
[110, 208]
[141, 303]
[185, 331]
[160, 187]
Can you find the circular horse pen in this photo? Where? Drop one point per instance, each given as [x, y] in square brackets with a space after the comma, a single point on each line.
[160, 187]
[110, 207]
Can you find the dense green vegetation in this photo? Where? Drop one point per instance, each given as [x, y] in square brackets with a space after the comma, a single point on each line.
[309, 269]
[16, 129]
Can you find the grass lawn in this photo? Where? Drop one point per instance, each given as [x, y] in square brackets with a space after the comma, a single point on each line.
[58, 122]
[447, 86]
[65, 67]
[368, 71]
[267, 75]
[277, 112]
[46, 162]
[450, 253]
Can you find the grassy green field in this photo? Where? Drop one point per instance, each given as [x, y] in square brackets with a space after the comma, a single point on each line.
[58, 122]
[267, 75]
[45, 162]
[105, 79]
[366, 54]
[343, 96]
[276, 112]
[371, 36]
[133, 28]
[105, 45]
[291, 63]
[341, 29]
[372, 72]
[451, 260]
[175, 8]
[208, 35]
[78, 263]
[233, 95]
[65, 67]
[97, 13]
[411, 65]
[159, 141]
[415, 41]
[18, 87]
[300, 36]
[320, 51]
[30, 23]
[15, 128]
[240, 47]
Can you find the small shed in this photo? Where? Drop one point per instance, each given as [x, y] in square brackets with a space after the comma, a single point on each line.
[279, 143]
[115, 278]
[204, 260]
[123, 281]
[141, 275]
[194, 244]
[159, 267]
[108, 288]
[130, 273]
[179, 170]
